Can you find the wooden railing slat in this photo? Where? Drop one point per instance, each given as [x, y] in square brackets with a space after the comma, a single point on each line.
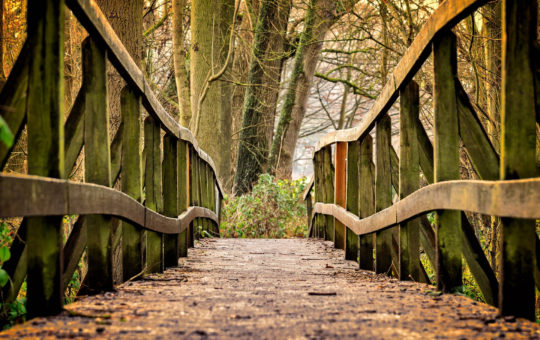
[367, 203]
[353, 190]
[170, 198]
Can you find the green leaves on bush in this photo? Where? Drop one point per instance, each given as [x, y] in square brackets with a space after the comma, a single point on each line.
[274, 209]
[6, 136]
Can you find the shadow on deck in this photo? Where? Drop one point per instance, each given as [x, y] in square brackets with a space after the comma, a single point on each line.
[289, 288]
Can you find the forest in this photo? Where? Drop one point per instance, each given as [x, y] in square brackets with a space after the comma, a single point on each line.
[258, 83]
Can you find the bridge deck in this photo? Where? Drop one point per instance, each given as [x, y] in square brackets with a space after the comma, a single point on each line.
[294, 288]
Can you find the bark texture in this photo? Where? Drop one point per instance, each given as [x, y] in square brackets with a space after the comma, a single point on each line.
[179, 58]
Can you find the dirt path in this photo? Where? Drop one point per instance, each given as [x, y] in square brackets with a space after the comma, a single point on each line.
[230, 288]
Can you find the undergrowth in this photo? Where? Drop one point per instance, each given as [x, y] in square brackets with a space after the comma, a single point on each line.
[273, 209]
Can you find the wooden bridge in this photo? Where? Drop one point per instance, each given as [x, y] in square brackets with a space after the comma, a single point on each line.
[272, 288]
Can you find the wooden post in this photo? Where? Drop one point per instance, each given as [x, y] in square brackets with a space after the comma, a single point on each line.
[170, 198]
[351, 244]
[182, 158]
[367, 199]
[152, 180]
[213, 205]
[328, 183]
[383, 193]
[409, 181]
[132, 257]
[517, 292]
[319, 194]
[340, 194]
[45, 151]
[97, 164]
[446, 159]
[192, 190]
[195, 193]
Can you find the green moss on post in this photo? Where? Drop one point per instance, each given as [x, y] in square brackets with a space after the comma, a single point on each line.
[517, 292]
[383, 193]
[182, 159]
[97, 163]
[446, 159]
[132, 257]
[318, 221]
[170, 198]
[366, 199]
[340, 191]
[409, 181]
[353, 151]
[152, 180]
[328, 184]
[45, 150]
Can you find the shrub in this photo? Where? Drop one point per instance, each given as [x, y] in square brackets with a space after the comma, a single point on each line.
[274, 209]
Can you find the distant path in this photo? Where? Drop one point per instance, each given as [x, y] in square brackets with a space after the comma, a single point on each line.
[238, 288]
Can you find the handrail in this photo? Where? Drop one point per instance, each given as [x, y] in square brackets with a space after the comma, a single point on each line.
[96, 23]
[24, 195]
[446, 15]
[496, 198]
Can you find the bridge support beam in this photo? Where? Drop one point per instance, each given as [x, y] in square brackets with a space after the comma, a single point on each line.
[518, 154]
[383, 193]
[170, 198]
[340, 193]
[366, 200]
[352, 240]
[328, 185]
[182, 159]
[446, 159]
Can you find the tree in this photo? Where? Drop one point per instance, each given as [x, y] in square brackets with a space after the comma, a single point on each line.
[260, 97]
[179, 58]
[211, 50]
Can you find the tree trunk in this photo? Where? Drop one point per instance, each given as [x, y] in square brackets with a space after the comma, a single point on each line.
[320, 16]
[2, 73]
[179, 57]
[211, 23]
[252, 149]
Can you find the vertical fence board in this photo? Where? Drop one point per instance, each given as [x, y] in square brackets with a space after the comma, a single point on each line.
[152, 180]
[446, 160]
[366, 200]
[97, 163]
[518, 153]
[351, 243]
[132, 258]
[409, 181]
[383, 193]
[319, 195]
[170, 198]
[182, 158]
[328, 184]
[340, 194]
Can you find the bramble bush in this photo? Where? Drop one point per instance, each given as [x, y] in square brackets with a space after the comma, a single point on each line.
[273, 209]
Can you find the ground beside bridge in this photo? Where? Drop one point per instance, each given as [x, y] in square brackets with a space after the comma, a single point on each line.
[289, 288]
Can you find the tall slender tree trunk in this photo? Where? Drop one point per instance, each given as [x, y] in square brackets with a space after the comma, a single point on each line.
[2, 73]
[211, 22]
[320, 16]
[179, 58]
[252, 148]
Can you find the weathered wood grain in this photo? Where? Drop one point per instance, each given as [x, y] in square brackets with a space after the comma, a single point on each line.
[383, 192]
[328, 185]
[45, 146]
[182, 158]
[366, 199]
[340, 191]
[170, 198]
[511, 198]
[518, 153]
[353, 177]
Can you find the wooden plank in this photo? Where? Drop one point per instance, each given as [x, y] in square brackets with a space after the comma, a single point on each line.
[45, 151]
[340, 191]
[445, 16]
[518, 153]
[97, 161]
[328, 184]
[409, 181]
[13, 99]
[116, 154]
[319, 194]
[74, 131]
[447, 163]
[170, 198]
[366, 199]
[383, 193]
[426, 152]
[510, 198]
[152, 181]
[353, 175]
[130, 131]
[182, 158]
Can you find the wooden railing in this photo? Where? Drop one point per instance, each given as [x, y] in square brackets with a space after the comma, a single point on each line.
[354, 193]
[181, 192]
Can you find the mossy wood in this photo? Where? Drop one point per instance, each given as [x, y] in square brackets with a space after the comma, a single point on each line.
[353, 177]
[366, 200]
[170, 198]
[340, 193]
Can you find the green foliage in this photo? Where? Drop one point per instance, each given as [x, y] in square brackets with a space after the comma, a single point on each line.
[274, 209]
[14, 312]
[6, 136]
